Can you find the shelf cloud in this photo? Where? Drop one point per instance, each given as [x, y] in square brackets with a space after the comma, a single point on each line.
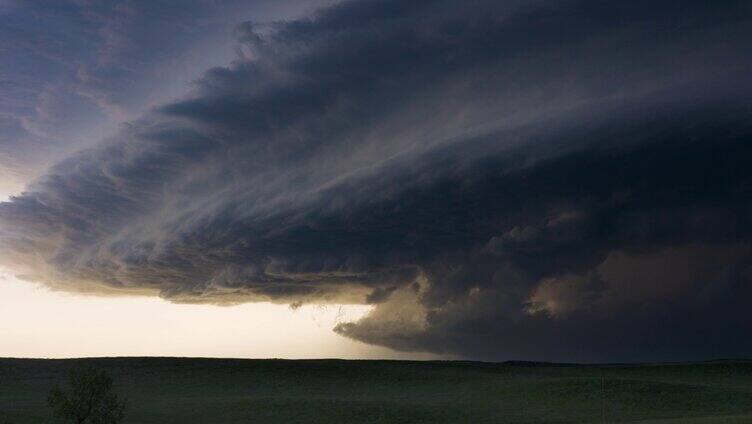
[548, 180]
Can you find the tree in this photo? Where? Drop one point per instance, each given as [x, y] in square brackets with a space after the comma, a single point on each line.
[89, 399]
[4, 418]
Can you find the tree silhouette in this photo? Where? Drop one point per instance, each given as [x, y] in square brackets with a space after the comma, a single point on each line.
[4, 419]
[89, 399]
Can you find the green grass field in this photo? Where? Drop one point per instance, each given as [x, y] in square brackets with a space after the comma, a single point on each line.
[178, 390]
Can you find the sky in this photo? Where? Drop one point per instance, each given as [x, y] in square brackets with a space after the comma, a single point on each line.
[35, 322]
[495, 180]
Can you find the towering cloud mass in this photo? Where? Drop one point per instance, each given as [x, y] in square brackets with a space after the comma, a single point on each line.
[551, 180]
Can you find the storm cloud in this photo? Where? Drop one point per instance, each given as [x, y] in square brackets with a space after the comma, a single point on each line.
[547, 180]
[71, 70]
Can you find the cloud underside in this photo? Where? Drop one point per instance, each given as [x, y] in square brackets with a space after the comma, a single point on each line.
[530, 180]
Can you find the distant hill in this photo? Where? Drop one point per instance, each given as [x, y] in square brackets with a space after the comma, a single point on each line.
[193, 390]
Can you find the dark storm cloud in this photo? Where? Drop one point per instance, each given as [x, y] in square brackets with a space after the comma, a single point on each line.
[535, 180]
[72, 69]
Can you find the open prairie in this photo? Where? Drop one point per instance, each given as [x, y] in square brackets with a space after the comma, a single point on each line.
[186, 390]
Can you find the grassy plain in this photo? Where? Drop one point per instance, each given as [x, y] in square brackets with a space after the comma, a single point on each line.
[187, 390]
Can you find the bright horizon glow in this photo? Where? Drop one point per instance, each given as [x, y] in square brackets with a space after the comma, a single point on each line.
[38, 323]
[7, 190]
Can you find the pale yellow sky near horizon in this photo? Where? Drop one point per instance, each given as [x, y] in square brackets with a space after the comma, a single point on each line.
[38, 323]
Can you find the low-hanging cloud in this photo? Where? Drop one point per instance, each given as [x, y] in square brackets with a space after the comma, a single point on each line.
[559, 180]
